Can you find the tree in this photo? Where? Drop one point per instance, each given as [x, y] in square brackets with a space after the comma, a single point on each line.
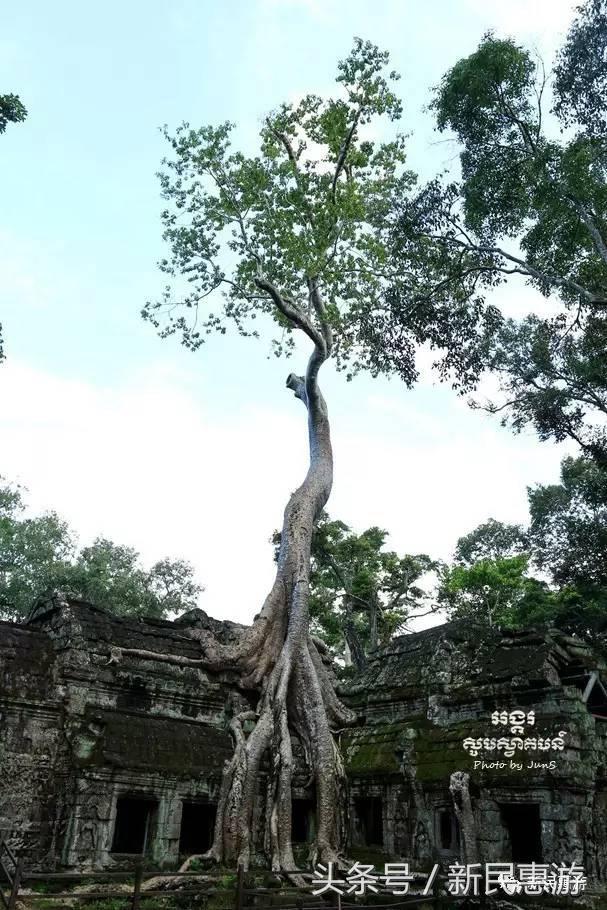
[39, 554]
[566, 543]
[35, 553]
[11, 111]
[298, 232]
[111, 576]
[568, 532]
[498, 592]
[361, 593]
[528, 204]
[491, 540]
[581, 71]
[569, 524]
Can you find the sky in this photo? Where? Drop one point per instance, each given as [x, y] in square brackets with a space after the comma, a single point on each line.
[194, 455]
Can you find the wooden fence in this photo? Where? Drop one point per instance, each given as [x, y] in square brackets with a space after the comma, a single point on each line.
[11, 870]
[14, 881]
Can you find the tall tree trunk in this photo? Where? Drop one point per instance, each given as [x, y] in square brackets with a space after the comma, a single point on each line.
[277, 657]
[297, 694]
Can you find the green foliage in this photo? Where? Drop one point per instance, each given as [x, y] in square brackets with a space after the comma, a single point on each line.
[491, 540]
[313, 209]
[361, 594]
[11, 111]
[497, 591]
[581, 71]
[569, 524]
[111, 576]
[494, 577]
[35, 553]
[486, 100]
[555, 379]
[528, 204]
[516, 181]
[39, 554]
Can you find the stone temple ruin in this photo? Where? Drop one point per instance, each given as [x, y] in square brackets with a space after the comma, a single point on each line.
[103, 760]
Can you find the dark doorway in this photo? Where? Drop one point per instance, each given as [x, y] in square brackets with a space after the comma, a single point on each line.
[197, 826]
[303, 820]
[369, 813]
[447, 830]
[132, 831]
[522, 821]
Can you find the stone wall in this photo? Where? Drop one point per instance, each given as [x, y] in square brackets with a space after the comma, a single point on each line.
[78, 732]
[99, 753]
[426, 693]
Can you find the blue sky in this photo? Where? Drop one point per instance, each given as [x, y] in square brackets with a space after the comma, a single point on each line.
[136, 438]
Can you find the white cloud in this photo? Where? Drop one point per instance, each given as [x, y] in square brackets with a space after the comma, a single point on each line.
[315, 8]
[526, 17]
[148, 465]
[429, 485]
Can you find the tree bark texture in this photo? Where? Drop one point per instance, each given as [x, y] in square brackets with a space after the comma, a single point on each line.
[277, 657]
[297, 695]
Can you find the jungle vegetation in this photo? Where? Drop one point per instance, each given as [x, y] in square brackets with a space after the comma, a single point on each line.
[326, 239]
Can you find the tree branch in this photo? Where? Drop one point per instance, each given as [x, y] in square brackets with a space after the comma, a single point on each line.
[343, 583]
[343, 153]
[599, 243]
[320, 310]
[528, 269]
[292, 312]
[284, 139]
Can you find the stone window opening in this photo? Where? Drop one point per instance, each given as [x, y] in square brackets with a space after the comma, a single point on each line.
[447, 830]
[303, 821]
[197, 827]
[135, 817]
[522, 822]
[595, 696]
[369, 814]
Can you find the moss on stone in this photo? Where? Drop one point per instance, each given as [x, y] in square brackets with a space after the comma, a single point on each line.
[376, 749]
[433, 751]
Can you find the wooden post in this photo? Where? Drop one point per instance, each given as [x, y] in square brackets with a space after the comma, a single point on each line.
[240, 887]
[137, 886]
[12, 901]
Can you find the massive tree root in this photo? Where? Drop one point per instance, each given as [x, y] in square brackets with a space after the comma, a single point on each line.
[278, 657]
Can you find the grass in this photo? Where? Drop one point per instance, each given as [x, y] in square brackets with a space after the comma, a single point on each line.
[172, 902]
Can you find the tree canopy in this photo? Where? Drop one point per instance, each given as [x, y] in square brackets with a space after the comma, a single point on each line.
[312, 210]
[11, 111]
[531, 203]
[552, 572]
[39, 554]
[498, 592]
[568, 532]
[361, 593]
[299, 231]
[491, 540]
